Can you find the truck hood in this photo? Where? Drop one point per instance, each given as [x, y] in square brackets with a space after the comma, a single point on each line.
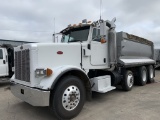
[58, 54]
[30, 57]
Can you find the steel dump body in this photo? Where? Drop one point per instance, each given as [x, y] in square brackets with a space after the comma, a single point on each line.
[133, 50]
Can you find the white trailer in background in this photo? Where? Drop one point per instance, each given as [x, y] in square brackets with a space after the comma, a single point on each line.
[91, 57]
[6, 60]
[157, 57]
[7, 57]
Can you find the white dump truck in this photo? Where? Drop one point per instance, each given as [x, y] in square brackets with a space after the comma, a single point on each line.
[90, 57]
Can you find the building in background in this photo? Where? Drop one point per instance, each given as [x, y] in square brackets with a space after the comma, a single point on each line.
[14, 43]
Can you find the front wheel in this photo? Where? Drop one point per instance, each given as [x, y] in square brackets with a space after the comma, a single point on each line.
[68, 98]
[128, 81]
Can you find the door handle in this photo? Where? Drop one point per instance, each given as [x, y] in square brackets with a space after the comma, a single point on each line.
[4, 62]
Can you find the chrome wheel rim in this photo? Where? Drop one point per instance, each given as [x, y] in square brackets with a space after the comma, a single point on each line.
[71, 98]
[130, 80]
[151, 73]
[144, 76]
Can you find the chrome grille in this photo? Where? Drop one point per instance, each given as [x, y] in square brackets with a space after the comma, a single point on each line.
[22, 65]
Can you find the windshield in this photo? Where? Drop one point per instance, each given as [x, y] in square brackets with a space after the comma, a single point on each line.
[77, 34]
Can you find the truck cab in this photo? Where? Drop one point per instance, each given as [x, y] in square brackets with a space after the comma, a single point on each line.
[94, 39]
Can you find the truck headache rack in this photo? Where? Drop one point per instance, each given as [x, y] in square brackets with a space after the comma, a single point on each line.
[22, 65]
[139, 39]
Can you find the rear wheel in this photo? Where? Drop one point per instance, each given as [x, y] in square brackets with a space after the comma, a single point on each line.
[128, 81]
[68, 99]
[150, 73]
[142, 76]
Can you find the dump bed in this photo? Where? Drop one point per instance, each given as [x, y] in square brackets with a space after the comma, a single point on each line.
[134, 50]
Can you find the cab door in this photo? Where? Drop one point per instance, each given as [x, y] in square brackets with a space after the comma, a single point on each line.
[3, 62]
[99, 51]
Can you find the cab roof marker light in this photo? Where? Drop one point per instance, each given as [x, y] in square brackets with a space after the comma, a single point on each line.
[74, 25]
[80, 24]
[69, 25]
[84, 21]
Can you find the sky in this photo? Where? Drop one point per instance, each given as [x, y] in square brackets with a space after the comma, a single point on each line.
[33, 20]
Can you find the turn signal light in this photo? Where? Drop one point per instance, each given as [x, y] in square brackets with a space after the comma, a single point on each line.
[49, 72]
[74, 25]
[103, 40]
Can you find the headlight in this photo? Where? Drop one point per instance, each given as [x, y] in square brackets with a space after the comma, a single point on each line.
[43, 72]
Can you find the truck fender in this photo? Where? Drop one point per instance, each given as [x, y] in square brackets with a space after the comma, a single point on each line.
[62, 71]
[79, 73]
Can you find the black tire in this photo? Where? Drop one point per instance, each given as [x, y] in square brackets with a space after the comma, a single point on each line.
[142, 76]
[67, 90]
[150, 70]
[128, 81]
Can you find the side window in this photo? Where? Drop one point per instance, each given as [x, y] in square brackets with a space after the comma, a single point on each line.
[96, 34]
[1, 54]
[65, 38]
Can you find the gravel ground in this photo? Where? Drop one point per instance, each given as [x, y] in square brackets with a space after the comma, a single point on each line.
[142, 103]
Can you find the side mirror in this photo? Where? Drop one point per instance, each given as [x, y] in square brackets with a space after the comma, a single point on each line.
[114, 19]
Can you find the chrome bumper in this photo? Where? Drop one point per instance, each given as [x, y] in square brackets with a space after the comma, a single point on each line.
[32, 96]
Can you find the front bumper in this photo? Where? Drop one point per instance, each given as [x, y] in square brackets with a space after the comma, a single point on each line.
[32, 96]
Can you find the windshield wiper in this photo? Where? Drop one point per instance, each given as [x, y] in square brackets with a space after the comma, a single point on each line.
[75, 41]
